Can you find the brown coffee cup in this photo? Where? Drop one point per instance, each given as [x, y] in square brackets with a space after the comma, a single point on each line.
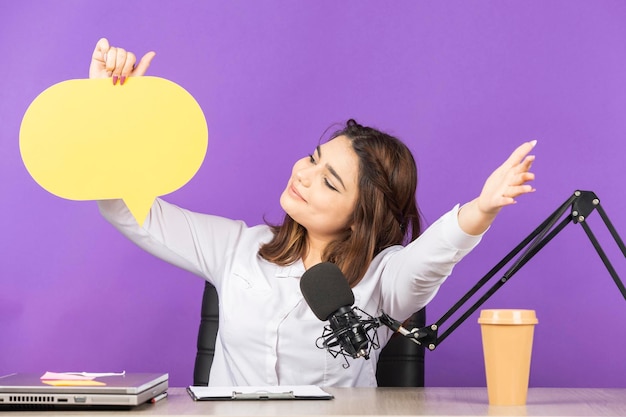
[507, 337]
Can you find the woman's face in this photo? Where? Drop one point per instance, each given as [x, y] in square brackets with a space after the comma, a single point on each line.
[323, 189]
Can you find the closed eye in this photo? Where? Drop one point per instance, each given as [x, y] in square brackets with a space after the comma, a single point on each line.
[330, 169]
[329, 185]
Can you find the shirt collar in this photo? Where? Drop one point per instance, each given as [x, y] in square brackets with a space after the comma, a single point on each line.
[290, 271]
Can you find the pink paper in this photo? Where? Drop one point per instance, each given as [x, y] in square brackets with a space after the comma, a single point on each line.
[65, 377]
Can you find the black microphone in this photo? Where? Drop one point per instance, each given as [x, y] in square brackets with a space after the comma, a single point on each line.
[329, 295]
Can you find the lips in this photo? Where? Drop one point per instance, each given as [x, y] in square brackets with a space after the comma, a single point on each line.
[293, 191]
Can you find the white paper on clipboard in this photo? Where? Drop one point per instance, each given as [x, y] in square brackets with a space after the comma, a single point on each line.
[283, 392]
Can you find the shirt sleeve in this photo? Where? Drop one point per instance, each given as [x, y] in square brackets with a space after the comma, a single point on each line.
[198, 243]
[413, 274]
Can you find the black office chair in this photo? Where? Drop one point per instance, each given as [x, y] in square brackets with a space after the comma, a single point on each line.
[207, 334]
[400, 364]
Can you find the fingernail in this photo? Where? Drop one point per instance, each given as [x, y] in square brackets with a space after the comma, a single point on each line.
[533, 142]
[122, 79]
[114, 79]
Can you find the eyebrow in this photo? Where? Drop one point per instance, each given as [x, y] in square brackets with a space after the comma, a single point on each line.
[330, 168]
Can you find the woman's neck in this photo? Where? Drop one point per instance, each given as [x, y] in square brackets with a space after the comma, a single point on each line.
[315, 250]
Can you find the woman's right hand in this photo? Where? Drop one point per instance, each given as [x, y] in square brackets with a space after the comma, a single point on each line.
[117, 63]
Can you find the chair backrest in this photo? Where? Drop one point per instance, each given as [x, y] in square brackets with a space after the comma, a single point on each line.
[400, 363]
[207, 335]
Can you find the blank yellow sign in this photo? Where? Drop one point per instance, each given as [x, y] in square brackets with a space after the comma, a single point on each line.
[90, 140]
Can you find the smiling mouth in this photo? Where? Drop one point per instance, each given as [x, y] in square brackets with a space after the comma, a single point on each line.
[295, 192]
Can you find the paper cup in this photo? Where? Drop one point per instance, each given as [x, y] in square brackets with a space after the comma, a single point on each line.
[507, 337]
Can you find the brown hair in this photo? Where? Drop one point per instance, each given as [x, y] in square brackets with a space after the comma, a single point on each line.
[385, 213]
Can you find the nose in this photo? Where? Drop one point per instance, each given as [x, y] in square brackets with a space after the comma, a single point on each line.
[303, 176]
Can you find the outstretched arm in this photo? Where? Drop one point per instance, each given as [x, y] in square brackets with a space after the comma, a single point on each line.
[501, 188]
[413, 275]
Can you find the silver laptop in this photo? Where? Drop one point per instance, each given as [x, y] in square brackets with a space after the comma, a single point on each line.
[28, 391]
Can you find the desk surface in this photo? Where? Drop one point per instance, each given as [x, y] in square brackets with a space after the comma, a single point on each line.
[385, 402]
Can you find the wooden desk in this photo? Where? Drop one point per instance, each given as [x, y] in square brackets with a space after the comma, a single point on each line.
[384, 402]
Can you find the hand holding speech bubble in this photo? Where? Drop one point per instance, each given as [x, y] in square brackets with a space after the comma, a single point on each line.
[89, 140]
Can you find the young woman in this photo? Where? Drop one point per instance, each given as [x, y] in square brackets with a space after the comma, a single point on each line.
[351, 202]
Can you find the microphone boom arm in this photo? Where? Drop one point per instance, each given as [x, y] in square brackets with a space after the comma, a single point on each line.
[582, 204]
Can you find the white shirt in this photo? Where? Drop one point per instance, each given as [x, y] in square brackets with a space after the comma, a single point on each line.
[267, 332]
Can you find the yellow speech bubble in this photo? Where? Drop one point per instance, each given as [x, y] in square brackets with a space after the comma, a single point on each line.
[90, 140]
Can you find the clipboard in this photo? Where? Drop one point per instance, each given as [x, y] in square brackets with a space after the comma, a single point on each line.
[230, 393]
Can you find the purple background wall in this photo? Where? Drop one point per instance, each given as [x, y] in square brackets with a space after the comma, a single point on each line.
[463, 83]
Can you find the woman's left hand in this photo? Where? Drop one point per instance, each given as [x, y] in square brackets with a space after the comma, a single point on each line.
[508, 181]
[504, 185]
